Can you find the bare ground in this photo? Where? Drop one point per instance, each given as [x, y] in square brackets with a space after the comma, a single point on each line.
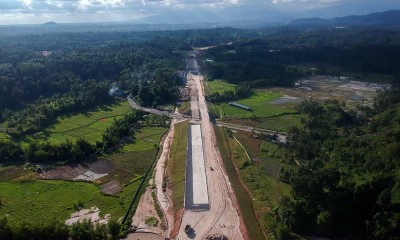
[96, 171]
[145, 211]
[146, 206]
[92, 214]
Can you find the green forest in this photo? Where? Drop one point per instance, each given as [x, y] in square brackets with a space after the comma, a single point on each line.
[347, 184]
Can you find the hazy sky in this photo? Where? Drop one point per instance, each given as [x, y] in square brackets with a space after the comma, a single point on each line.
[64, 11]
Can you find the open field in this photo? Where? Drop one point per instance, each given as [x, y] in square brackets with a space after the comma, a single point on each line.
[45, 201]
[24, 197]
[260, 175]
[321, 88]
[146, 139]
[259, 102]
[219, 86]
[277, 123]
[89, 125]
[270, 109]
[177, 163]
[275, 108]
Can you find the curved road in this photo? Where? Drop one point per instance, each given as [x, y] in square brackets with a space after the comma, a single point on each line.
[155, 111]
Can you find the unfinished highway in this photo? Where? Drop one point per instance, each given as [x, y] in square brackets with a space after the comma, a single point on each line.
[210, 207]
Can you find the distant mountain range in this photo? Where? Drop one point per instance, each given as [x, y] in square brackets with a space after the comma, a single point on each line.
[387, 18]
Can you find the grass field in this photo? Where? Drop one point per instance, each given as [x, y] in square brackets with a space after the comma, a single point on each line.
[45, 201]
[259, 103]
[177, 163]
[89, 125]
[268, 116]
[133, 160]
[220, 86]
[260, 177]
[278, 123]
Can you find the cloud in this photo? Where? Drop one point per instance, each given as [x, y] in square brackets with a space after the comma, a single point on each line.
[39, 11]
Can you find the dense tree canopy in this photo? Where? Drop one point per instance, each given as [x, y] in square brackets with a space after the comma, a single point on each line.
[347, 183]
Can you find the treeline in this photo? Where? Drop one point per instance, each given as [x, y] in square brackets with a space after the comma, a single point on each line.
[347, 184]
[272, 56]
[241, 91]
[68, 152]
[153, 88]
[78, 231]
[251, 63]
[121, 128]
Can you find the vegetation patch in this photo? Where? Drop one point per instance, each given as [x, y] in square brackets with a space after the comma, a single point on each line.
[46, 201]
[242, 195]
[260, 178]
[185, 108]
[177, 164]
[151, 221]
[220, 86]
[23, 195]
[259, 103]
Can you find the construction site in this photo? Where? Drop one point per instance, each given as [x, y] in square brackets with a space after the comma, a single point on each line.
[210, 209]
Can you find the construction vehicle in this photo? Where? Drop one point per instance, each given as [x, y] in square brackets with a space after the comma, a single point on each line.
[187, 229]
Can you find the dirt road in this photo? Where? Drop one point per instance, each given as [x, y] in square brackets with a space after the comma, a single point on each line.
[155, 111]
[163, 199]
[146, 207]
[222, 219]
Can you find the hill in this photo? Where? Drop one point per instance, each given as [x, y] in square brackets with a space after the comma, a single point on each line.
[388, 18]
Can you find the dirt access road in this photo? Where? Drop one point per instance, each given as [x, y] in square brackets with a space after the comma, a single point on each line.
[222, 219]
[155, 111]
